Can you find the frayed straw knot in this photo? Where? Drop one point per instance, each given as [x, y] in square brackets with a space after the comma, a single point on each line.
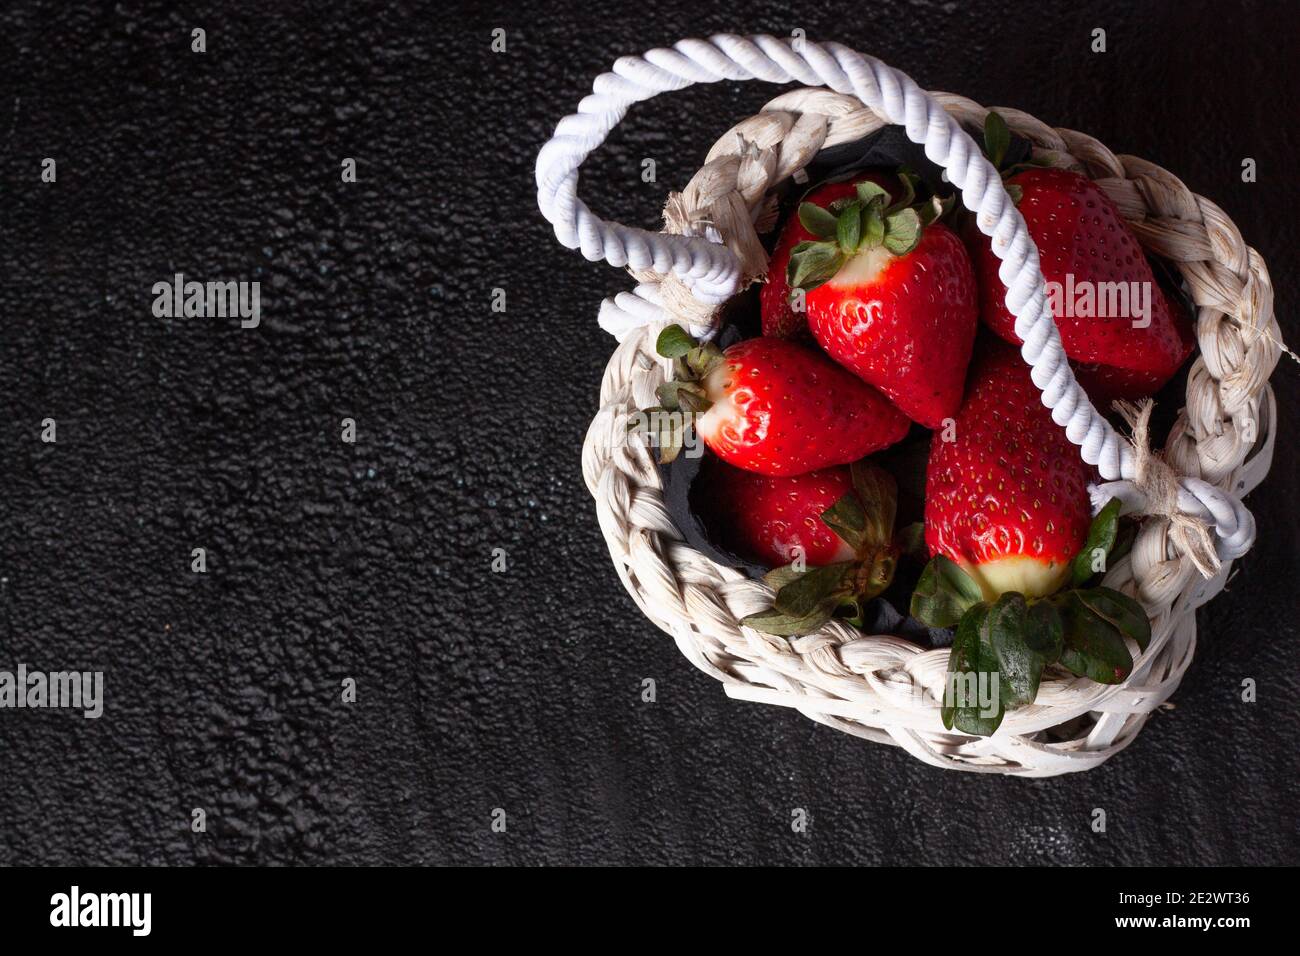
[1160, 488]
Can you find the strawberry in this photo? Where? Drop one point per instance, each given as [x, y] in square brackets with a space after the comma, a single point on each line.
[774, 521]
[890, 295]
[1007, 498]
[840, 519]
[1099, 285]
[780, 318]
[1107, 383]
[768, 405]
[1007, 523]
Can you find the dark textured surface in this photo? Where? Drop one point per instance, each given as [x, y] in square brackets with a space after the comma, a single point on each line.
[480, 690]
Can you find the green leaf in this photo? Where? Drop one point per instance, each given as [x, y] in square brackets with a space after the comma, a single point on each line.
[804, 600]
[806, 593]
[1122, 612]
[1025, 639]
[873, 226]
[973, 693]
[1093, 647]
[673, 342]
[936, 209]
[876, 572]
[997, 139]
[786, 625]
[667, 393]
[944, 593]
[1101, 536]
[1124, 539]
[691, 399]
[1016, 193]
[902, 231]
[676, 395]
[812, 263]
[778, 578]
[847, 519]
[848, 229]
[878, 493]
[700, 360]
[670, 436]
[1044, 633]
[850, 611]
[867, 191]
[908, 180]
[911, 540]
[820, 222]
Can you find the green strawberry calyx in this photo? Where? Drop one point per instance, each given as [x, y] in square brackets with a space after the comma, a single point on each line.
[1007, 643]
[808, 598]
[997, 143]
[858, 224]
[683, 397]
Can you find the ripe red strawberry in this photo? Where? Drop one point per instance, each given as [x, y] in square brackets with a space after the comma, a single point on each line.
[1007, 523]
[1007, 498]
[770, 406]
[1093, 264]
[835, 525]
[779, 317]
[1106, 383]
[891, 296]
[774, 521]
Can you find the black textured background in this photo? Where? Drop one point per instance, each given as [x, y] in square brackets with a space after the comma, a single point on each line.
[482, 690]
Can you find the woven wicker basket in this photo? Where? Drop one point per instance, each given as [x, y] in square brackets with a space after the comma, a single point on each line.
[881, 687]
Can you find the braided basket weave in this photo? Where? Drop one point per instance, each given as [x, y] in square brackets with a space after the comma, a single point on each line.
[881, 687]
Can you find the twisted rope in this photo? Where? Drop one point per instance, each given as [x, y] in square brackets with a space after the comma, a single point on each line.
[1155, 491]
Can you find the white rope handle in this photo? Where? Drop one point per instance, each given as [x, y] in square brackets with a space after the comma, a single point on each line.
[712, 272]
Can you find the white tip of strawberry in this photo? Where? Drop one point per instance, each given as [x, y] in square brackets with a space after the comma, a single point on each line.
[722, 413]
[1029, 576]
